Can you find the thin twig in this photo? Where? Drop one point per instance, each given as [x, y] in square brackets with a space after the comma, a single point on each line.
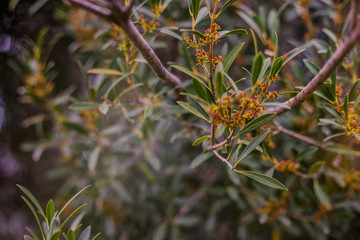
[349, 43]
[92, 7]
[223, 159]
[298, 136]
[216, 146]
[121, 16]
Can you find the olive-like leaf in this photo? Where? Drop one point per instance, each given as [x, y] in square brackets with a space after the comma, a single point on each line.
[192, 110]
[200, 140]
[194, 32]
[231, 57]
[251, 146]
[257, 122]
[233, 32]
[50, 210]
[277, 65]
[264, 179]
[320, 194]
[256, 67]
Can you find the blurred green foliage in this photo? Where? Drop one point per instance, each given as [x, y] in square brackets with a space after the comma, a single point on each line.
[124, 133]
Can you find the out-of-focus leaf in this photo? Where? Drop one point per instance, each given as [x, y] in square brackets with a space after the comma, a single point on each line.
[85, 235]
[105, 71]
[188, 72]
[293, 53]
[153, 160]
[148, 111]
[171, 33]
[76, 127]
[192, 110]
[202, 14]
[194, 32]
[94, 158]
[160, 232]
[200, 159]
[264, 179]
[315, 167]
[250, 21]
[82, 106]
[72, 199]
[305, 154]
[342, 149]
[311, 66]
[354, 92]
[321, 195]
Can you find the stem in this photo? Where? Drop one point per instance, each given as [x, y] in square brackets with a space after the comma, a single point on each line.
[298, 136]
[213, 147]
[222, 159]
[211, 51]
[347, 45]
[121, 16]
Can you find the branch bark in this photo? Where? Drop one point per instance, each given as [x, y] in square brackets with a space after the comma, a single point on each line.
[121, 16]
[298, 136]
[349, 43]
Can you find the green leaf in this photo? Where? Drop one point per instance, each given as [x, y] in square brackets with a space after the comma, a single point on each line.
[232, 32]
[192, 110]
[219, 83]
[105, 71]
[256, 67]
[71, 215]
[50, 210]
[311, 66]
[35, 215]
[202, 14]
[264, 68]
[354, 92]
[113, 84]
[252, 24]
[305, 154]
[171, 33]
[26, 237]
[225, 6]
[72, 199]
[148, 111]
[195, 104]
[160, 232]
[56, 235]
[76, 127]
[293, 53]
[200, 140]
[257, 122]
[231, 57]
[195, 5]
[333, 136]
[346, 106]
[81, 106]
[321, 195]
[188, 72]
[253, 144]
[70, 235]
[342, 149]
[153, 160]
[200, 159]
[277, 65]
[233, 84]
[199, 90]
[194, 32]
[85, 235]
[32, 199]
[315, 167]
[264, 179]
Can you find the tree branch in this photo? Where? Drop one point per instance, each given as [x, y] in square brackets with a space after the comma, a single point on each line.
[349, 42]
[121, 16]
[213, 147]
[223, 159]
[298, 136]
